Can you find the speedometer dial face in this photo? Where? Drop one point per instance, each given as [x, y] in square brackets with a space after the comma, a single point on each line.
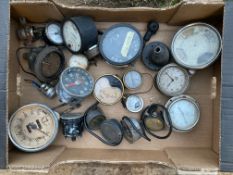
[77, 82]
[33, 127]
[172, 80]
[184, 112]
[108, 89]
[53, 33]
[71, 36]
[196, 46]
[121, 44]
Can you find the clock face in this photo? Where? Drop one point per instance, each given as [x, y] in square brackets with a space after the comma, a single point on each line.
[71, 36]
[172, 80]
[184, 113]
[196, 46]
[53, 33]
[77, 82]
[33, 127]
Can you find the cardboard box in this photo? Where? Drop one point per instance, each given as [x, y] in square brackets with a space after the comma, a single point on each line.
[196, 151]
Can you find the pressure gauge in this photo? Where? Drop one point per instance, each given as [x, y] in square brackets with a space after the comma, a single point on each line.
[172, 80]
[53, 33]
[108, 89]
[196, 46]
[78, 61]
[132, 79]
[33, 127]
[121, 44]
[79, 33]
[184, 112]
[134, 103]
[74, 85]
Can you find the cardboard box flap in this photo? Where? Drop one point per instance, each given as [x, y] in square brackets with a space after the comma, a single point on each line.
[41, 11]
[193, 159]
[40, 161]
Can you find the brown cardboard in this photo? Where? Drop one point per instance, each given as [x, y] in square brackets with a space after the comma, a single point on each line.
[199, 146]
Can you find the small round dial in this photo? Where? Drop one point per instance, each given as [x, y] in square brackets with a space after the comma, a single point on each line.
[184, 112]
[172, 80]
[108, 89]
[53, 33]
[132, 79]
[78, 61]
[77, 82]
[71, 36]
[33, 127]
[196, 46]
[121, 44]
[134, 103]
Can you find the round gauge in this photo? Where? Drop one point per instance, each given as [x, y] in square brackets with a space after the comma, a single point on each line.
[196, 46]
[132, 79]
[184, 112]
[79, 33]
[78, 61]
[121, 44]
[53, 33]
[172, 80]
[108, 89]
[75, 84]
[134, 103]
[33, 127]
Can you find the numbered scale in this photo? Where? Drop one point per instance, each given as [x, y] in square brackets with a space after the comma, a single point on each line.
[172, 80]
[53, 33]
[74, 85]
[33, 127]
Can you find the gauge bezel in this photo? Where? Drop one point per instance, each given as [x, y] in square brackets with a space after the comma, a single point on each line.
[65, 89]
[122, 64]
[134, 111]
[56, 128]
[122, 93]
[158, 76]
[47, 35]
[173, 100]
[124, 80]
[180, 32]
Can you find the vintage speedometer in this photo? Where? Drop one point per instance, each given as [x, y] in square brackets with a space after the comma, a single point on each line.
[75, 84]
[33, 127]
[121, 44]
[196, 46]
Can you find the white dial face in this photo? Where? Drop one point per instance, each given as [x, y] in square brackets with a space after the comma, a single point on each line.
[173, 80]
[134, 103]
[78, 61]
[71, 36]
[53, 33]
[196, 46]
[132, 79]
[184, 114]
[33, 127]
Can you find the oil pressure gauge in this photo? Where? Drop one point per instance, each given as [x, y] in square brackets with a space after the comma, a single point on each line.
[172, 80]
[196, 46]
[79, 33]
[53, 33]
[74, 85]
[121, 44]
[33, 127]
[184, 112]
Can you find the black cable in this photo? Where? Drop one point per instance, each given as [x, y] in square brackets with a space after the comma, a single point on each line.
[143, 134]
[93, 106]
[168, 118]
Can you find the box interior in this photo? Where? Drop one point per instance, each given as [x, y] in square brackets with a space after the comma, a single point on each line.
[195, 150]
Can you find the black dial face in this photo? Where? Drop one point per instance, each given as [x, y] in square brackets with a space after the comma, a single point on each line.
[77, 82]
[51, 64]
